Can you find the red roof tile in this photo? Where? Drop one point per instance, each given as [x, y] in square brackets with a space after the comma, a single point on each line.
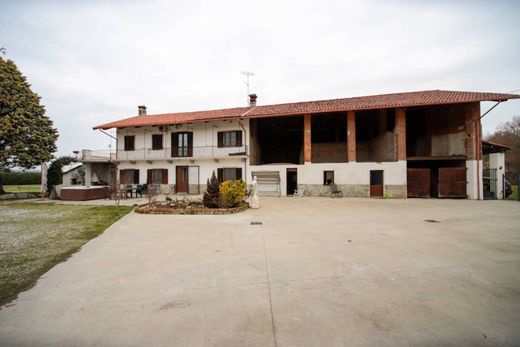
[422, 98]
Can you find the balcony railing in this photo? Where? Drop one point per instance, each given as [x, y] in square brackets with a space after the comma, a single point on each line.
[166, 153]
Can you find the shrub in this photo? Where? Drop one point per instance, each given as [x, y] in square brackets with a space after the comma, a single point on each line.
[211, 198]
[20, 177]
[54, 172]
[232, 193]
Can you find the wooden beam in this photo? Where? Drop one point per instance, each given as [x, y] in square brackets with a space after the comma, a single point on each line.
[351, 136]
[400, 134]
[307, 143]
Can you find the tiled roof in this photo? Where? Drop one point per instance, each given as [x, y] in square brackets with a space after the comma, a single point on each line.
[422, 98]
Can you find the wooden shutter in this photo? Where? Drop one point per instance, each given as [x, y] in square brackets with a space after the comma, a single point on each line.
[220, 136]
[136, 176]
[149, 176]
[239, 138]
[175, 144]
[164, 176]
[238, 173]
[190, 144]
[220, 175]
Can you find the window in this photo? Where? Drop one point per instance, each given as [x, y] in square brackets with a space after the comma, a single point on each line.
[328, 178]
[157, 176]
[182, 144]
[230, 138]
[129, 143]
[229, 174]
[129, 176]
[157, 142]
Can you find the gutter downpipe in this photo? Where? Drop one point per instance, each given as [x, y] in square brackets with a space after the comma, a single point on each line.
[247, 153]
[245, 137]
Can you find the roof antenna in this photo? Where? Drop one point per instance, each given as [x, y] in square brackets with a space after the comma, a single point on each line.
[247, 74]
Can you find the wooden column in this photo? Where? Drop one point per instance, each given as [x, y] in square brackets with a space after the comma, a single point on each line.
[473, 132]
[400, 134]
[307, 143]
[351, 136]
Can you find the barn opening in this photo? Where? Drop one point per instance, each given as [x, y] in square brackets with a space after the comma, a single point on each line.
[277, 140]
[375, 135]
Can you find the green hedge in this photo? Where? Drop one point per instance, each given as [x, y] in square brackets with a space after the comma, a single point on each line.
[18, 178]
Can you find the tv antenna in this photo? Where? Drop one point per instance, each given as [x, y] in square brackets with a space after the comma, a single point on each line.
[247, 74]
[3, 50]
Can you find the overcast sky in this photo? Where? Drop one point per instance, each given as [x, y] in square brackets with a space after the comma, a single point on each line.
[94, 61]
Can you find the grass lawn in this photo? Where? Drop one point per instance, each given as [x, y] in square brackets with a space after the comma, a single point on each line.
[24, 188]
[514, 195]
[35, 237]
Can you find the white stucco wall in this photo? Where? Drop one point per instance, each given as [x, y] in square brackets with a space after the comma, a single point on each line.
[498, 161]
[206, 167]
[344, 173]
[205, 139]
[474, 186]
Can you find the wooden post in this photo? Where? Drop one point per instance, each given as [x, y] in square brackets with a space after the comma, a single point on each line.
[307, 143]
[400, 134]
[351, 136]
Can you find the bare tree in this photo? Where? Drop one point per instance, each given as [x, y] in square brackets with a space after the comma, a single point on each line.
[508, 134]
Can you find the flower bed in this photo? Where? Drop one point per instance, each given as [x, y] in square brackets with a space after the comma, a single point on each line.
[175, 207]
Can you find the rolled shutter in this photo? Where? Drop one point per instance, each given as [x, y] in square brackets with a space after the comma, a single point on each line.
[164, 176]
[238, 173]
[136, 176]
[220, 136]
[190, 144]
[220, 175]
[175, 144]
[149, 176]
[239, 138]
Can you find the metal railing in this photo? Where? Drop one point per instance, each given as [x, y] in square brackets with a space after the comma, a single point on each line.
[165, 153]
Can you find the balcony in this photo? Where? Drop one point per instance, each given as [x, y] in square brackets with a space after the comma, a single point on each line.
[201, 152]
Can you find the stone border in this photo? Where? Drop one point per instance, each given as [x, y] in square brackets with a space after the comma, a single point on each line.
[145, 209]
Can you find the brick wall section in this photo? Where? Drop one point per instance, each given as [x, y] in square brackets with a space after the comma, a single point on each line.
[351, 136]
[307, 149]
[473, 132]
[400, 134]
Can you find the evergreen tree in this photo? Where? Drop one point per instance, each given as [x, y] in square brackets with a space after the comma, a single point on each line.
[211, 197]
[27, 136]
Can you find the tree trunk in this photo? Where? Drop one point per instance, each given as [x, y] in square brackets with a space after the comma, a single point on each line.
[2, 191]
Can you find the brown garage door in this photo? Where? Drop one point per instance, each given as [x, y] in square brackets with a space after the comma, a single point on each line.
[452, 182]
[418, 183]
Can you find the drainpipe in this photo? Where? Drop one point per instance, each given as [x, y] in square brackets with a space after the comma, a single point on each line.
[247, 155]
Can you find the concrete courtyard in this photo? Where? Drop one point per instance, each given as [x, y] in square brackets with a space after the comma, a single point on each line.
[316, 272]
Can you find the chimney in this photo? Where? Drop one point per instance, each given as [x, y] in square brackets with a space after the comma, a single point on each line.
[141, 110]
[252, 100]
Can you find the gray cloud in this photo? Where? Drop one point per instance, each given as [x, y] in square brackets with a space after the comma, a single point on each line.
[93, 62]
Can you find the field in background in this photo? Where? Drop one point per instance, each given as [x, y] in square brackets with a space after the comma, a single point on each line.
[22, 188]
[35, 237]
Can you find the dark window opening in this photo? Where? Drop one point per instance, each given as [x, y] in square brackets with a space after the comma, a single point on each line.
[130, 143]
[229, 174]
[129, 176]
[328, 178]
[182, 144]
[157, 142]
[375, 135]
[230, 138]
[157, 176]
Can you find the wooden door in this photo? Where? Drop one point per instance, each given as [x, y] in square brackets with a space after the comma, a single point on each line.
[376, 184]
[418, 183]
[452, 182]
[181, 179]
